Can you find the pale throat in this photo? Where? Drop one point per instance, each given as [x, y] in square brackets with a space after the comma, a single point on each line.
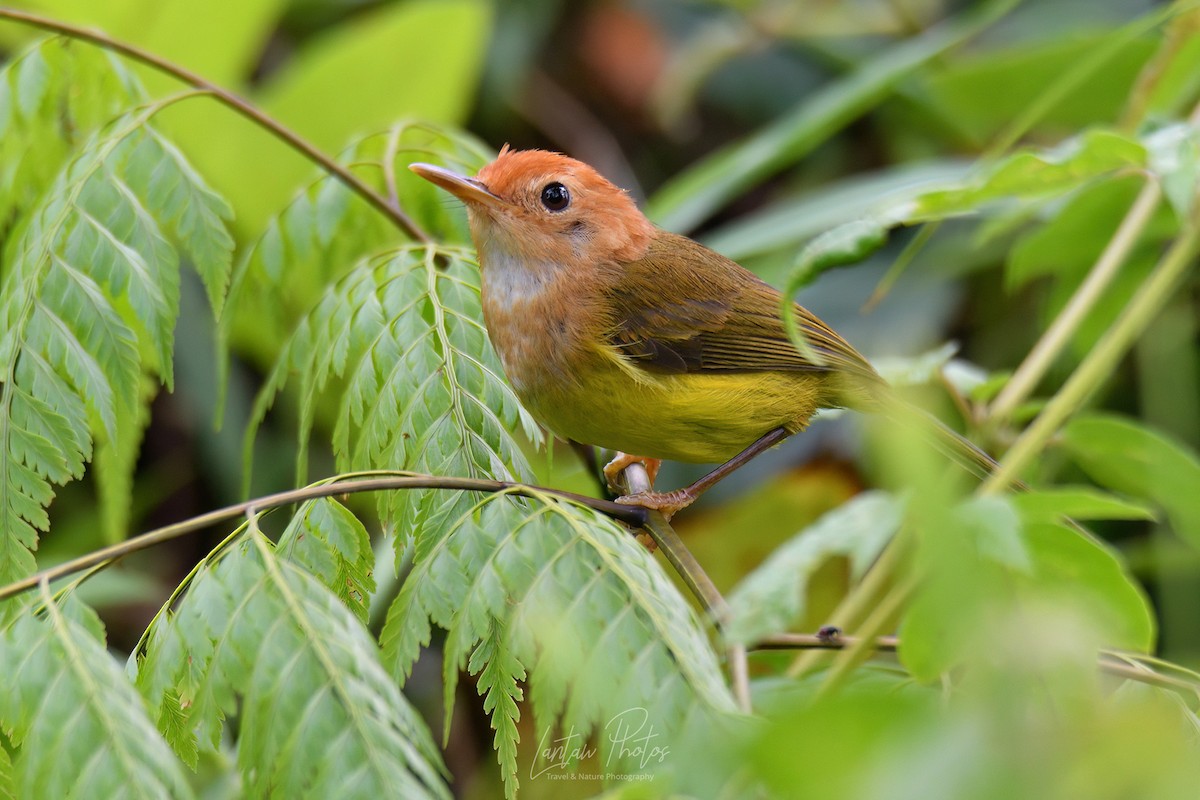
[525, 317]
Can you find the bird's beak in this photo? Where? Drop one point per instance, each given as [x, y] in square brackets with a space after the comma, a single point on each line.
[466, 189]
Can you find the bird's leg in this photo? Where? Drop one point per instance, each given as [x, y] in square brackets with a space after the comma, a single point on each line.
[671, 502]
[612, 470]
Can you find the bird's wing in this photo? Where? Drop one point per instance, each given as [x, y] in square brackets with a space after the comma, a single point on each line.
[707, 313]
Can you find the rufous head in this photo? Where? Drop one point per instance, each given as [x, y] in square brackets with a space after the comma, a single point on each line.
[545, 207]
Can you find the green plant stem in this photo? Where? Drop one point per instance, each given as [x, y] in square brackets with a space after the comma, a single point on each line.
[1048, 347]
[232, 101]
[1099, 363]
[632, 515]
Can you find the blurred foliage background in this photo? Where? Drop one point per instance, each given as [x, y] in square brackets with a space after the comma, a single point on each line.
[755, 126]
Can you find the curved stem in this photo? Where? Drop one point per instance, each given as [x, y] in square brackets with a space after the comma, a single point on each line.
[230, 100]
[1099, 363]
[1035, 365]
[632, 515]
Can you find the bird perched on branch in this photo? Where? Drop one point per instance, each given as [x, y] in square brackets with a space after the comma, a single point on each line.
[618, 334]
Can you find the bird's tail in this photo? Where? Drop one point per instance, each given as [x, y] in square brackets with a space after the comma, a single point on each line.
[948, 441]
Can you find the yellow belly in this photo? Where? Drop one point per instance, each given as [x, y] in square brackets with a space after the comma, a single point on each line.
[695, 417]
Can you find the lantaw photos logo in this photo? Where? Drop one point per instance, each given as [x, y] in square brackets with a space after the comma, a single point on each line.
[634, 748]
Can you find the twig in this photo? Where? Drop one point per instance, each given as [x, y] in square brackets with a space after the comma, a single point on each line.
[232, 101]
[1122, 666]
[630, 514]
[883, 616]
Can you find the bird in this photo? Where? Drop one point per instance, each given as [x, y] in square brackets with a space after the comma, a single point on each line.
[616, 333]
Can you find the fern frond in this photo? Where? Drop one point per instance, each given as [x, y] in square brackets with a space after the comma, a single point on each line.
[8, 781]
[90, 299]
[419, 385]
[584, 609]
[53, 96]
[79, 727]
[326, 229]
[333, 546]
[320, 716]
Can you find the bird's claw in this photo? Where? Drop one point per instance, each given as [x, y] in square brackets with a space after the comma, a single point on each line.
[666, 503]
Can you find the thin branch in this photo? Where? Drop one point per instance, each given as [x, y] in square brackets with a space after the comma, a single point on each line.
[230, 100]
[1129, 667]
[633, 515]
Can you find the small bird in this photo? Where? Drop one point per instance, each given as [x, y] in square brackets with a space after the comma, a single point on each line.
[616, 333]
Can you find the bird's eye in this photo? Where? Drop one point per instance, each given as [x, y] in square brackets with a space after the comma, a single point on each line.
[555, 196]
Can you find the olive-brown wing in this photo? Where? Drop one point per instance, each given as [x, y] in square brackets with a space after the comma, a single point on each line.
[684, 308]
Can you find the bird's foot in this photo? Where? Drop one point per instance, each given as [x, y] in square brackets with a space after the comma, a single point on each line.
[666, 503]
[613, 469]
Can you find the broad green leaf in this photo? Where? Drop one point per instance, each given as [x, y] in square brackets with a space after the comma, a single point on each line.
[967, 560]
[1032, 175]
[690, 198]
[984, 91]
[1065, 246]
[790, 222]
[79, 727]
[332, 545]
[986, 566]
[586, 612]
[359, 77]
[318, 716]
[1082, 572]
[1124, 455]
[773, 596]
[1175, 157]
[1077, 502]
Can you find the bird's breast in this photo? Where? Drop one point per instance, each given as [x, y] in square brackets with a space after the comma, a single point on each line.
[537, 320]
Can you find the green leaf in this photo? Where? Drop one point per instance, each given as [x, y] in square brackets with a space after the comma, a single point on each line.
[792, 221]
[418, 385]
[585, 610]
[332, 545]
[1032, 175]
[986, 90]
[318, 715]
[968, 560]
[499, 672]
[690, 198]
[1070, 242]
[1126, 456]
[52, 98]
[320, 235]
[333, 91]
[90, 299]
[773, 597]
[79, 727]
[1083, 572]
[1175, 157]
[1076, 502]
[8, 781]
